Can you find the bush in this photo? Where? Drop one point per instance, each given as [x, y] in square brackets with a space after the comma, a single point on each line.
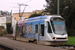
[1, 34]
[8, 27]
[1, 27]
[71, 32]
[5, 32]
[18, 30]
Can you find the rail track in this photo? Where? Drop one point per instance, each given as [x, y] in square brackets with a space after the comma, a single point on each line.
[5, 48]
[66, 46]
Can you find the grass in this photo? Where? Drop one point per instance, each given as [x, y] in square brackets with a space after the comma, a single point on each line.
[71, 40]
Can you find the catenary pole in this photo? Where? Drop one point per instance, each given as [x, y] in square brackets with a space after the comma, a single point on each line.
[58, 7]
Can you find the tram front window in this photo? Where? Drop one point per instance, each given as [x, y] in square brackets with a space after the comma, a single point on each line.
[58, 27]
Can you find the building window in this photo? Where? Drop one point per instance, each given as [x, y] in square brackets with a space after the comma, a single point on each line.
[22, 18]
[14, 18]
[3, 19]
[8, 18]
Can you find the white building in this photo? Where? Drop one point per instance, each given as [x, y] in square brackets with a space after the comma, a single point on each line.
[4, 20]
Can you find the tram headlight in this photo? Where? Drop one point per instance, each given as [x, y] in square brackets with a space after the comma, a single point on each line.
[54, 38]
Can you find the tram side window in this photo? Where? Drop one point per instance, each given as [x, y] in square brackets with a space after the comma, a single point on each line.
[49, 28]
[36, 28]
[42, 30]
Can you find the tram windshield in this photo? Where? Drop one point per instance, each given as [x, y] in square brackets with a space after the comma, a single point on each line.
[58, 25]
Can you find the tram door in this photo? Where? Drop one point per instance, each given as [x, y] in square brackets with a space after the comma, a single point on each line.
[48, 31]
[41, 32]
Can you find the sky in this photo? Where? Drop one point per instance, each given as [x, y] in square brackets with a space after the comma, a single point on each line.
[8, 5]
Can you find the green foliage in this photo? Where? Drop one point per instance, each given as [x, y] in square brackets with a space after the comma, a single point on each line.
[5, 32]
[8, 23]
[1, 27]
[1, 34]
[51, 7]
[71, 32]
[67, 10]
[2, 13]
[8, 27]
[18, 30]
[71, 40]
[34, 15]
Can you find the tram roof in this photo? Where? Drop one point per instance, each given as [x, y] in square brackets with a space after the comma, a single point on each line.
[43, 17]
[38, 17]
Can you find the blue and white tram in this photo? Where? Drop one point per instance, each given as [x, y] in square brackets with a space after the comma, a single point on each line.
[48, 29]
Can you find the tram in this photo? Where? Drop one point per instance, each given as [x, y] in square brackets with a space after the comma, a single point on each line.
[47, 29]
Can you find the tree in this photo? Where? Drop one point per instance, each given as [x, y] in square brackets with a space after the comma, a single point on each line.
[34, 15]
[66, 10]
[2, 13]
[51, 6]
